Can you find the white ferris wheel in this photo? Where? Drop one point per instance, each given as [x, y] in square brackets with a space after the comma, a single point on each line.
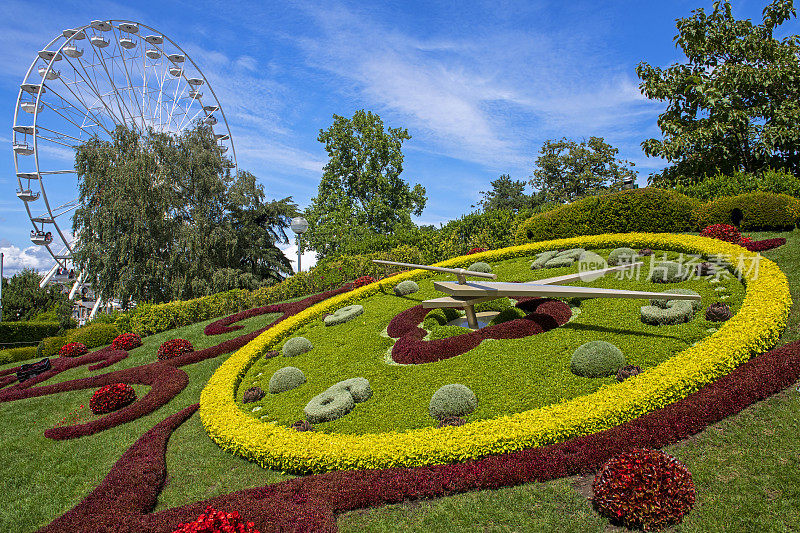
[86, 82]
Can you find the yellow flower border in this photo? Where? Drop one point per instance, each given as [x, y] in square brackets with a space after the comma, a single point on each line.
[753, 330]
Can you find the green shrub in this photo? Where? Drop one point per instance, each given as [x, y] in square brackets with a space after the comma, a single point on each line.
[498, 304]
[50, 346]
[638, 210]
[480, 266]
[669, 272]
[596, 359]
[674, 312]
[511, 313]
[358, 388]
[622, 256]
[14, 355]
[443, 332]
[14, 333]
[286, 378]
[340, 316]
[337, 400]
[404, 288]
[543, 258]
[759, 210]
[94, 335]
[296, 346]
[452, 400]
[663, 303]
[719, 186]
[439, 317]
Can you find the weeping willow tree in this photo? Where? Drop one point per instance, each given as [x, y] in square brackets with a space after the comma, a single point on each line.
[162, 217]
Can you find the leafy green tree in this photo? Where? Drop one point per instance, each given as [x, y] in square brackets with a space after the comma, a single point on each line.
[734, 104]
[510, 195]
[160, 214]
[361, 193]
[23, 299]
[566, 170]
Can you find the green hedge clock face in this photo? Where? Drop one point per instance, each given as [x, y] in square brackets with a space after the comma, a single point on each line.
[527, 393]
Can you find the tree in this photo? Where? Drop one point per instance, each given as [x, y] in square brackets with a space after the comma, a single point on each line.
[733, 105]
[23, 299]
[509, 195]
[361, 192]
[160, 214]
[566, 170]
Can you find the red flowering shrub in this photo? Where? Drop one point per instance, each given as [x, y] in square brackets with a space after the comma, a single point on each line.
[363, 280]
[643, 488]
[126, 341]
[723, 232]
[73, 349]
[476, 250]
[111, 397]
[213, 521]
[174, 348]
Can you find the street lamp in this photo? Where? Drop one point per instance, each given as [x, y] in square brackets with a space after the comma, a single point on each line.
[299, 225]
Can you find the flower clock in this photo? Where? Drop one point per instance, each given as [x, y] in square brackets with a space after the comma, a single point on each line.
[526, 395]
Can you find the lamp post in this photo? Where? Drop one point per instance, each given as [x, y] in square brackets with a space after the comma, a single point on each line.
[299, 225]
[1, 287]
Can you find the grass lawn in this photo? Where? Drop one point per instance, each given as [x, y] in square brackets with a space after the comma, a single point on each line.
[745, 468]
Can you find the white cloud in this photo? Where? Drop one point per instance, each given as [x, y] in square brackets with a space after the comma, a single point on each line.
[307, 260]
[16, 259]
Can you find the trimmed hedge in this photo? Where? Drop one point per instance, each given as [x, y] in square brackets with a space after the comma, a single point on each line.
[14, 333]
[13, 355]
[94, 335]
[638, 210]
[760, 211]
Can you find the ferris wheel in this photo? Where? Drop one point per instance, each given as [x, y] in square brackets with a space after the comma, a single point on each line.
[86, 82]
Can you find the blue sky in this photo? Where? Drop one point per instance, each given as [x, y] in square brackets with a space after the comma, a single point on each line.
[479, 85]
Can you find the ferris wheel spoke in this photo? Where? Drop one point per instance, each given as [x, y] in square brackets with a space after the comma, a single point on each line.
[62, 135]
[88, 113]
[94, 87]
[83, 104]
[120, 100]
[131, 89]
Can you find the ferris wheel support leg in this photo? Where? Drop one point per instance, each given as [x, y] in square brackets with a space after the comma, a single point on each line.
[49, 276]
[76, 285]
[95, 308]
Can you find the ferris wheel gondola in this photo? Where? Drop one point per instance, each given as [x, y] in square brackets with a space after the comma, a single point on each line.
[84, 83]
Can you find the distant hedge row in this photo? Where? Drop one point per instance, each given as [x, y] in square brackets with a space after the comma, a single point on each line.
[660, 211]
[14, 334]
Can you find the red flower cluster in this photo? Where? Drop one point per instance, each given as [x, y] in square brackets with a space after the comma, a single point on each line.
[363, 280]
[644, 488]
[111, 397]
[723, 232]
[213, 521]
[126, 341]
[73, 349]
[174, 348]
[476, 250]
[766, 244]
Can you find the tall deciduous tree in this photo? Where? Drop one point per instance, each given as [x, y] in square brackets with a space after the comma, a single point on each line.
[566, 170]
[23, 299]
[734, 105]
[161, 214]
[361, 192]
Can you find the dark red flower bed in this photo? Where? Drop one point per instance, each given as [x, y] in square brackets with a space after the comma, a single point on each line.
[723, 232]
[363, 280]
[173, 348]
[544, 314]
[73, 349]
[111, 398]
[126, 341]
[766, 244]
[213, 521]
[121, 503]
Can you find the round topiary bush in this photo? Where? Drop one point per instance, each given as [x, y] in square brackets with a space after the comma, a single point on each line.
[480, 266]
[296, 346]
[73, 349]
[126, 341]
[439, 317]
[622, 256]
[340, 316]
[286, 378]
[111, 397]
[498, 304]
[329, 405]
[253, 394]
[645, 489]
[668, 272]
[452, 400]
[718, 312]
[94, 335]
[511, 313]
[173, 348]
[404, 288]
[664, 303]
[675, 312]
[758, 211]
[596, 359]
[358, 388]
[50, 346]
[543, 258]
